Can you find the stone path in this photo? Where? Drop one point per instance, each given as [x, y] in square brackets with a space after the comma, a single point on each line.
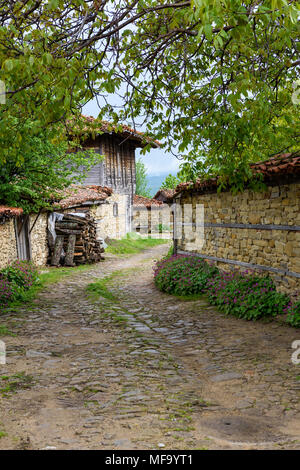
[143, 370]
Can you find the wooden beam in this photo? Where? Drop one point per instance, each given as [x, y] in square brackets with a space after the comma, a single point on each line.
[58, 246]
[69, 259]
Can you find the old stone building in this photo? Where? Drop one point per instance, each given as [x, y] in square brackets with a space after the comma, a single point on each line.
[8, 246]
[249, 230]
[148, 216]
[107, 208]
[106, 195]
[22, 236]
[165, 195]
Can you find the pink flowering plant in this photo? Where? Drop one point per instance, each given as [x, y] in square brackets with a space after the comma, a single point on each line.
[243, 294]
[183, 275]
[246, 295]
[16, 279]
[7, 293]
[293, 313]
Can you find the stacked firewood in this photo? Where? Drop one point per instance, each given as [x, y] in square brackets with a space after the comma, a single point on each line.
[76, 241]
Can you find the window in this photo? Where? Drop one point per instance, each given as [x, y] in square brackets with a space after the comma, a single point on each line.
[115, 209]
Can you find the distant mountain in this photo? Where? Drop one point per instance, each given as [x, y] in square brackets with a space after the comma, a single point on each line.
[154, 182]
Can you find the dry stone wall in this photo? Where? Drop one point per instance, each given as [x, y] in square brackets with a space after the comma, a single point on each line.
[38, 239]
[8, 247]
[258, 230]
[150, 220]
[111, 216]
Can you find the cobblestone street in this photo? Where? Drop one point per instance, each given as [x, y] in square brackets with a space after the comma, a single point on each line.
[144, 370]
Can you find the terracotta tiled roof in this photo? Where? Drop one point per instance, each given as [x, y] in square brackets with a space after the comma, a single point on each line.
[141, 201]
[165, 195]
[283, 168]
[200, 185]
[7, 212]
[78, 195]
[104, 127]
[284, 164]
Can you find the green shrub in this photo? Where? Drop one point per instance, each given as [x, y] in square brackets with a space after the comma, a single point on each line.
[162, 228]
[293, 314]
[21, 273]
[246, 295]
[15, 280]
[183, 275]
[7, 293]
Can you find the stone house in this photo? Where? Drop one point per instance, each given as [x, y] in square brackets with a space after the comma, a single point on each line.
[106, 194]
[152, 217]
[22, 236]
[248, 230]
[107, 208]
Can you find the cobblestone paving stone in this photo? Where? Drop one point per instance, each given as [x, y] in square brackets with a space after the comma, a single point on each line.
[144, 370]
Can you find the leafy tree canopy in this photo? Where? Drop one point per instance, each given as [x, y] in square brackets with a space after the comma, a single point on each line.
[48, 169]
[170, 182]
[216, 78]
[142, 188]
[213, 77]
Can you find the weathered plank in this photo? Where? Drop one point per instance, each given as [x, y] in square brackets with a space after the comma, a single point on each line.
[59, 241]
[75, 218]
[68, 225]
[66, 231]
[69, 259]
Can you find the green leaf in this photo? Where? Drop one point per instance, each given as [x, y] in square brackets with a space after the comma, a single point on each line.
[208, 31]
[47, 58]
[8, 65]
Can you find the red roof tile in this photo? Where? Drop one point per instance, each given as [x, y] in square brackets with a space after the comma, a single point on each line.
[8, 212]
[78, 195]
[165, 195]
[141, 201]
[283, 168]
[284, 164]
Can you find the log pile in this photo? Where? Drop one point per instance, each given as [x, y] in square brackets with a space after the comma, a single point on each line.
[76, 241]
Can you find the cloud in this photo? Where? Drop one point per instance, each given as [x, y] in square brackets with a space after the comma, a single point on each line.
[159, 162]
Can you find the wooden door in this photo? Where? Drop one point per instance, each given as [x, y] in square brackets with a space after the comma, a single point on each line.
[23, 237]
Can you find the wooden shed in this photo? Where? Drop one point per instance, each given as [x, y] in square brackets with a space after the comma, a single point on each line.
[118, 145]
[81, 221]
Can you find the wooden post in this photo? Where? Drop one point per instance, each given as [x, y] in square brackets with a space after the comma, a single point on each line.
[59, 241]
[70, 251]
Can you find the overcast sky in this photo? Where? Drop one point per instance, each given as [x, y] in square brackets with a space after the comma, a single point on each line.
[157, 161]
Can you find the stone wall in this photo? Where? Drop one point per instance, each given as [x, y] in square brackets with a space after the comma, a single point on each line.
[38, 239]
[258, 230]
[147, 220]
[108, 224]
[8, 247]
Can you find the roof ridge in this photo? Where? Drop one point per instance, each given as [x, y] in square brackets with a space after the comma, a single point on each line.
[282, 165]
[127, 132]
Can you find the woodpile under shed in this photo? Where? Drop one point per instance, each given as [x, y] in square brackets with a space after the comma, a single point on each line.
[75, 241]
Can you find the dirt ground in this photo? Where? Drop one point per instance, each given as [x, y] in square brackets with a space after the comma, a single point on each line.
[143, 370]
